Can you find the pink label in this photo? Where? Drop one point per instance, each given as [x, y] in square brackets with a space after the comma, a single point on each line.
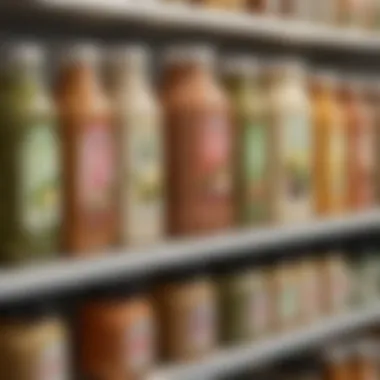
[365, 164]
[201, 326]
[259, 310]
[53, 364]
[96, 168]
[139, 345]
[214, 158]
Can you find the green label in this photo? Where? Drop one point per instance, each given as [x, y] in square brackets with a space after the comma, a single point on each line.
[297, 158]
[288, 303]
[40, 205]
[255, 166]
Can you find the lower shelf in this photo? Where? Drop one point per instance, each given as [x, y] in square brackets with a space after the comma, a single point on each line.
[230, 361]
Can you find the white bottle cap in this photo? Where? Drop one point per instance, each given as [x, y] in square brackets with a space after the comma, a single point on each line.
[88, 53]
[242, 65]
[202, 54]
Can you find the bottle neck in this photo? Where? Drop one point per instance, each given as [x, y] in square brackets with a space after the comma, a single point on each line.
[175, 74]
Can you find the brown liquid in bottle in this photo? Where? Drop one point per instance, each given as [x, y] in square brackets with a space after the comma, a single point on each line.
[89, 156]
[199, 146]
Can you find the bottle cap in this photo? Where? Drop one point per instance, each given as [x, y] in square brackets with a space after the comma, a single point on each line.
[241, 65]
[88, 53]
[202, 54]
[16, 53]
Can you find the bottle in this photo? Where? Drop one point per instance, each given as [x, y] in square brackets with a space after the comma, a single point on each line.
[187, 309]
[329, 161]
[30, 159]
[34, 344]
[243, 295]
[90, 220]
[291, 141]
[199, 144]
[138, 118]
[117, 334]
[338, 363]
[247, 96]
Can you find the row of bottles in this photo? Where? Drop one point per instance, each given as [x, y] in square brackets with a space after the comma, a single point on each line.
[349, 359]
[126, 330]
[100, 162]
[364, 14]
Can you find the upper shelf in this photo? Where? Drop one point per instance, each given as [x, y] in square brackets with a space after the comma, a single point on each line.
[69, 274]
[161, 16]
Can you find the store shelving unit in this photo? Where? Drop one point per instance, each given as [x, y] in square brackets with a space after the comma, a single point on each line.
[229, 361]
[154, 15]
[131, 263]
[69, 275]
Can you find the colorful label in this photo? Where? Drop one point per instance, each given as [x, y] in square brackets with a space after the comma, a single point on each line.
[296, 168]
[139, 345]
[96, 168]
[144, 181]
[214, 158]
[53, 363]
[40, 178]
[255, 171]
[289, 304]
[259, 310]
[201, 325]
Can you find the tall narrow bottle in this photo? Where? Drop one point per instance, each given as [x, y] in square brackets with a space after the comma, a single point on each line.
[29, 160]
[138, 118]
[90, 220]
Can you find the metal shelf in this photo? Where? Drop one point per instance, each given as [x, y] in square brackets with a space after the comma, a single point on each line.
[161, 16]
[70, 274]
[230, 361]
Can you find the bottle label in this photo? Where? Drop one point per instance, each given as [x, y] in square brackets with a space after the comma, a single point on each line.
[201, 326]
[96, 169]
[139, 345]
[337, 166]
[366, 164]
[40, 171]
[53, 363]
[255, 170]
[288, 302]
[215, 179]
[259, 310]
[339, 280]
[295, 200]
[310, 292]
[144, 182]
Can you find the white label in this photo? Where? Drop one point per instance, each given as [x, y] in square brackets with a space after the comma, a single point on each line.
[295, 163]
[143, 176]
[40, 188]
[53, 363]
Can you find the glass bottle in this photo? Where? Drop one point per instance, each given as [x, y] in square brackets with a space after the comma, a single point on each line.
[138, 118]
[248, 98]
[30, 160]
[291, 141]
[89, 154]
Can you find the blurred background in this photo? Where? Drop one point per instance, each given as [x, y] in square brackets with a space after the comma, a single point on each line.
[189, 190]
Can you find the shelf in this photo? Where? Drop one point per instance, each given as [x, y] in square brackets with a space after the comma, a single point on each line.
[161, 16]
[230, 361]
[64, 275]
